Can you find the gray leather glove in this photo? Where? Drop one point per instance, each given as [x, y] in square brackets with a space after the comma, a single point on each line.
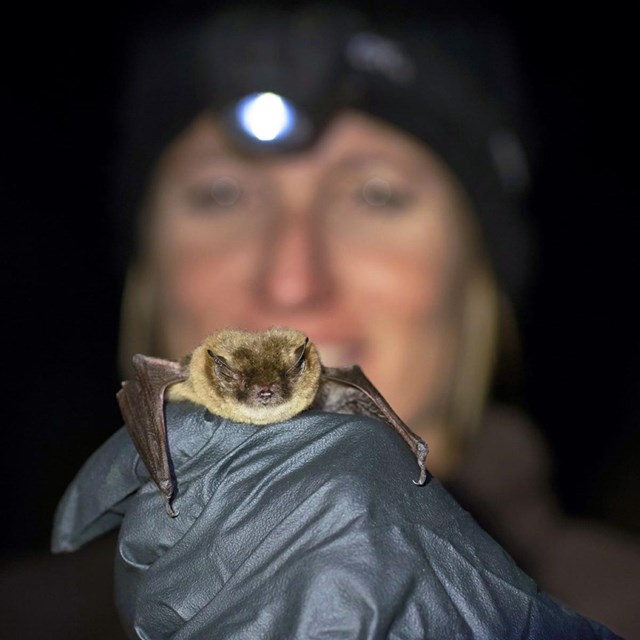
[309, 528]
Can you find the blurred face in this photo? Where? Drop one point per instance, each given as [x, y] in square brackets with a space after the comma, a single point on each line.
[352, 241]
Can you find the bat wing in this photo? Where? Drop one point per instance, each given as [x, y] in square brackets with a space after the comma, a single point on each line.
[141, 402]
[348, 390]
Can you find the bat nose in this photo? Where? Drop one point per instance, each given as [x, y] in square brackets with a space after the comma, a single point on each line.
[264, 393]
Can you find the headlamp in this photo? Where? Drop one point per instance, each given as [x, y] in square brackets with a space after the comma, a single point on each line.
[268, 121]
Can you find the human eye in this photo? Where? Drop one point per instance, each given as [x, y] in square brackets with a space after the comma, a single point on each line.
[218, 195]
[379, 193]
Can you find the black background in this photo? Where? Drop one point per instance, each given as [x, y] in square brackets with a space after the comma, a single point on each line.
[61, 80]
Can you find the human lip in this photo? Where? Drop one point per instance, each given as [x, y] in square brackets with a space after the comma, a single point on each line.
[339, 354]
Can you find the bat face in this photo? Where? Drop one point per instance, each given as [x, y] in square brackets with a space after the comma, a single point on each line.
[256, 370]
[255, 377]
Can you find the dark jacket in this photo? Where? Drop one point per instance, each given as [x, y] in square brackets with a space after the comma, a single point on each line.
[506, 483]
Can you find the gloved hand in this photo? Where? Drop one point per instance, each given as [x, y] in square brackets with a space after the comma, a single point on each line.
[301, 529]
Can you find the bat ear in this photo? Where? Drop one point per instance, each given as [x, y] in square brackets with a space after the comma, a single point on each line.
[299, 354]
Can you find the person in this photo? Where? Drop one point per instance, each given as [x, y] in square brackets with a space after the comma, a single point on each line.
[363, 187]
[382, 220]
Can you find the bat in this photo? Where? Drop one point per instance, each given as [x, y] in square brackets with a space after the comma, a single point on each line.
[254, 377]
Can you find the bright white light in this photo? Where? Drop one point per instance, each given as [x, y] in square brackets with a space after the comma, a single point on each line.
[265, 116]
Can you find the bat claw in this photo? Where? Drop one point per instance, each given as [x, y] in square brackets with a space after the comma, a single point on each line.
[421, 453]
[168, 507]
[423, 477]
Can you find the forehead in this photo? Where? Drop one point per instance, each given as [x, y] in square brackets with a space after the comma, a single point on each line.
[352, 139]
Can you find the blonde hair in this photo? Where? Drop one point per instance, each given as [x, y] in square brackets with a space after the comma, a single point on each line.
[485, 331]
[475, 358]
[139, 327]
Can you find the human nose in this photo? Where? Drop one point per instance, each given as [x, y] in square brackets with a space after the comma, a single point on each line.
[295, 273]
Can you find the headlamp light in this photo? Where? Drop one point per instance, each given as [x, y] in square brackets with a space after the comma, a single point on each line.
[268, 121]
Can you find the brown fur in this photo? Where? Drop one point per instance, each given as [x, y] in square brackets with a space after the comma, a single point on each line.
[253, 377]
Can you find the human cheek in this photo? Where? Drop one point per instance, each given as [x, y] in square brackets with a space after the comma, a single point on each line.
[208, 281]
[397, 298]
[408, 350]
[212, 285]
[402, 286]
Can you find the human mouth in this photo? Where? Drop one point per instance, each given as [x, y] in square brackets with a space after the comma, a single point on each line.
[339, 355]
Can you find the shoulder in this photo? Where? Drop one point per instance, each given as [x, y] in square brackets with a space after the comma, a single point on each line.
[509, 456]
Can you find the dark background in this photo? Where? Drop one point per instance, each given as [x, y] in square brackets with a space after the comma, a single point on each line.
[61, 80]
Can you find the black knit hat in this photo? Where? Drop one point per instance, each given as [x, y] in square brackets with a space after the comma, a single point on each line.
[323, 60]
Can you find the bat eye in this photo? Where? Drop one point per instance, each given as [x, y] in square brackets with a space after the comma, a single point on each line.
[221, 367]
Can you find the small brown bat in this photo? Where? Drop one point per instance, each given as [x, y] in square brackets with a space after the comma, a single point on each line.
[254, 377]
